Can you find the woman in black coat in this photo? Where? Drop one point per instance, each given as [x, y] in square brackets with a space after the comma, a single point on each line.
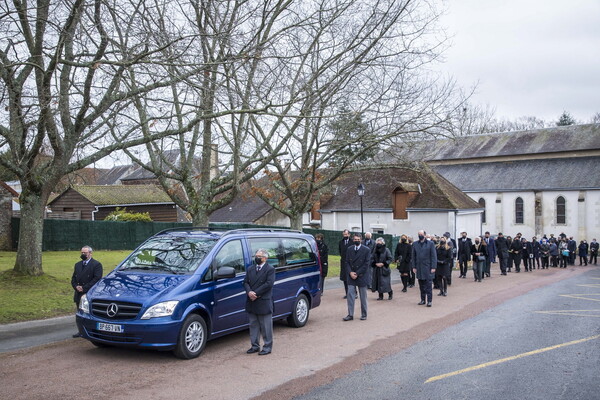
[479, 249]
[444, 266]
[380, 261]
[402, 257]
[324, 256]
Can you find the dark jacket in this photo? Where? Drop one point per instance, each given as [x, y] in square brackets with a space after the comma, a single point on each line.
[370, 243]
[424, 259]
[382, 283]
[464, 247]
[527, 249]
[342, 250]
[358, 261]
[85, 277]
[594, 247]
[444, 261]
[402, 256]
[545, 250]
[491, 248]
[516, 247]
[261, 283]
[582, 250]
[324, 256]
[501, 245]
[572, 246]
[476, 251]
[535, 246]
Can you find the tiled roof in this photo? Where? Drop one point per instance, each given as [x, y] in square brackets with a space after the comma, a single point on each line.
[246, 207]
[436, 192]
[557, 173]
[573, 138]
[123, 194]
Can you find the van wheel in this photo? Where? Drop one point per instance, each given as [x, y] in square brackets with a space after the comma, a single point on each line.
[299, 315]
[192, 337]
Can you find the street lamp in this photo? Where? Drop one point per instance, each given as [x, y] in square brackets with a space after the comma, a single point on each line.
[361, 193]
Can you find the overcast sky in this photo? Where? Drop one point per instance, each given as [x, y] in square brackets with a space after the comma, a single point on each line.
[529, 57]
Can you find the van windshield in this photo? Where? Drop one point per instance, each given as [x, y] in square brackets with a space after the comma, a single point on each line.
[169, 254]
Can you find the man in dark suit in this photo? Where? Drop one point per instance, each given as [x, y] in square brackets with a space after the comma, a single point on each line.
[342, 247]
[424, 264]
[572, 247]
[259, 281]
[358, 262]
[85, 275]
[370, 243]
[464, 253]
[501, 245]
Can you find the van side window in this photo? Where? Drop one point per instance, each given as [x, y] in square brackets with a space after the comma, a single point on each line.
[297, 251]
[231, 255]
[271, 245]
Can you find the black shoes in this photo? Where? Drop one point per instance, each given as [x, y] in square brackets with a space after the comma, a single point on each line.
[348, 318]
[380, 298]
[390, 296]
[422, 302]
[264, 352]
[440, 293]
[404, 290]
[429, 304]
[77, 335]
[445, 294]
[363, 318]
[252, 350]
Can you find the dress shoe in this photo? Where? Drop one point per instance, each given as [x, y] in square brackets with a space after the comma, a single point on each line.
[391, 296]
[504, 273]
[380, 298]
[363, 318]
[429, 304]
[404, 290]
[440, 293]
[445, 294]
[264, 352]
[252, 350]
[345, 297]
[421, 302]
[76, 335]
[348, 318]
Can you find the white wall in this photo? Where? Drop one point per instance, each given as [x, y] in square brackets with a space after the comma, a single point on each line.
[583, 218]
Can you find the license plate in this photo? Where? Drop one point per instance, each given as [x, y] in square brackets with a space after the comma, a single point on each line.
[110, 327]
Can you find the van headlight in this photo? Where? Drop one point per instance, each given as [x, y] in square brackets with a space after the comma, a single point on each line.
[163, 309]
[84, 304]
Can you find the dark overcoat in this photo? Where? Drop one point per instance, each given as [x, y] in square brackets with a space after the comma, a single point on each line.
[402, 255]
[491, 247]
[86, 277]
[358, 261]
[424, 259]
[501, 245]
[343, 247]
[381, 283]
[261, 283]
[444, 261]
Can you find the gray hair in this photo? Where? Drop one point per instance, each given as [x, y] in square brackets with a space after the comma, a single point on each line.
[263, 253]
[380, 240]
[89, 248]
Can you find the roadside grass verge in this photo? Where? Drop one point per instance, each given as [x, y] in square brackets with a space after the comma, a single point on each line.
[24, 298]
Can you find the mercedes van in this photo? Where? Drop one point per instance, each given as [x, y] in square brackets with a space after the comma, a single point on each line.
[182, 287]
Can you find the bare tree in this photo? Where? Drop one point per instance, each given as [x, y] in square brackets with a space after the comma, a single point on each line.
[370, 59]
[72, 75]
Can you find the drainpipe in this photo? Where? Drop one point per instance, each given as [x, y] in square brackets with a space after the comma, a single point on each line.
[94, 213]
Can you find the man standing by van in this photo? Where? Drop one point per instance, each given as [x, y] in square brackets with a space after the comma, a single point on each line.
[258, 283]
[358, 262]
[85, 275]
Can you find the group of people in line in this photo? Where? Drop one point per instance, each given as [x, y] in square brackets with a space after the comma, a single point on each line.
[366, 263]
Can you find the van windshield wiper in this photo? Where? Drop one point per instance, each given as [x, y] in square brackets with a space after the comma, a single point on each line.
[152, 267]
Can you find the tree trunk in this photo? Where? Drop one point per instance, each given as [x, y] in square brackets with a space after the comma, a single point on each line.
[31, 228]
[200, 218]
[296, 222]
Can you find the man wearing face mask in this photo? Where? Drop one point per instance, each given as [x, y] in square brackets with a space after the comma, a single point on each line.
[594, 252]
[342, 248]
[259, 281]
[85, 275]
[464, 253]
[358, 262]
[424, 263]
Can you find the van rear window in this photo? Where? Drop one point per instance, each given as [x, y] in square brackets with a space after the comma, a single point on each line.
[169, 254]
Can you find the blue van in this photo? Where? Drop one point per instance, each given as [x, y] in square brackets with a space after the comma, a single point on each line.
[182, 287]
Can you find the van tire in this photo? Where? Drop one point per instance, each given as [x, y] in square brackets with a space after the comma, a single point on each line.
[192, 337]
[299, 316]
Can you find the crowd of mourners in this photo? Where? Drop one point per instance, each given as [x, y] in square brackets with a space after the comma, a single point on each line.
[414, 260]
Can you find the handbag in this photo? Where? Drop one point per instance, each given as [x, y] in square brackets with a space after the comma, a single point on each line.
[480, 258]
[565, 253]
[385, 271]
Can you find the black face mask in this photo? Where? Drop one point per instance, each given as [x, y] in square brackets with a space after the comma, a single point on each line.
[403, 240]
[379, 246]
[83, 257]
[357, 242]
[421, 237]
[258, 260]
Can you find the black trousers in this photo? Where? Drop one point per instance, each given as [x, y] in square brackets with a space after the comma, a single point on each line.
[463, 260]
[564, 260]
[425, 288]
[516, 260]
[582, 259]
[503, 263]
[545, 262]
[594, 258]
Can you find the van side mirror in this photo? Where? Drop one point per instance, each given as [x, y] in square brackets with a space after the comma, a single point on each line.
[225, 272]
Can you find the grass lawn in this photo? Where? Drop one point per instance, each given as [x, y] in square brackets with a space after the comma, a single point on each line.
[25, 298]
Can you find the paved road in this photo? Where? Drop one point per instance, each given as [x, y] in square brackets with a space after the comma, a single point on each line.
[302, 359]
[542, 345]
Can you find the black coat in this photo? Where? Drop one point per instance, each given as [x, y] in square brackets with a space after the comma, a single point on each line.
[402, 256]
[464, 247]
[501, 247]
[261, 283]
[324, 256]
[381, 283]
[444, 261]
[342, 250]
[482, 249]
[85, 277]
[358, 261]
